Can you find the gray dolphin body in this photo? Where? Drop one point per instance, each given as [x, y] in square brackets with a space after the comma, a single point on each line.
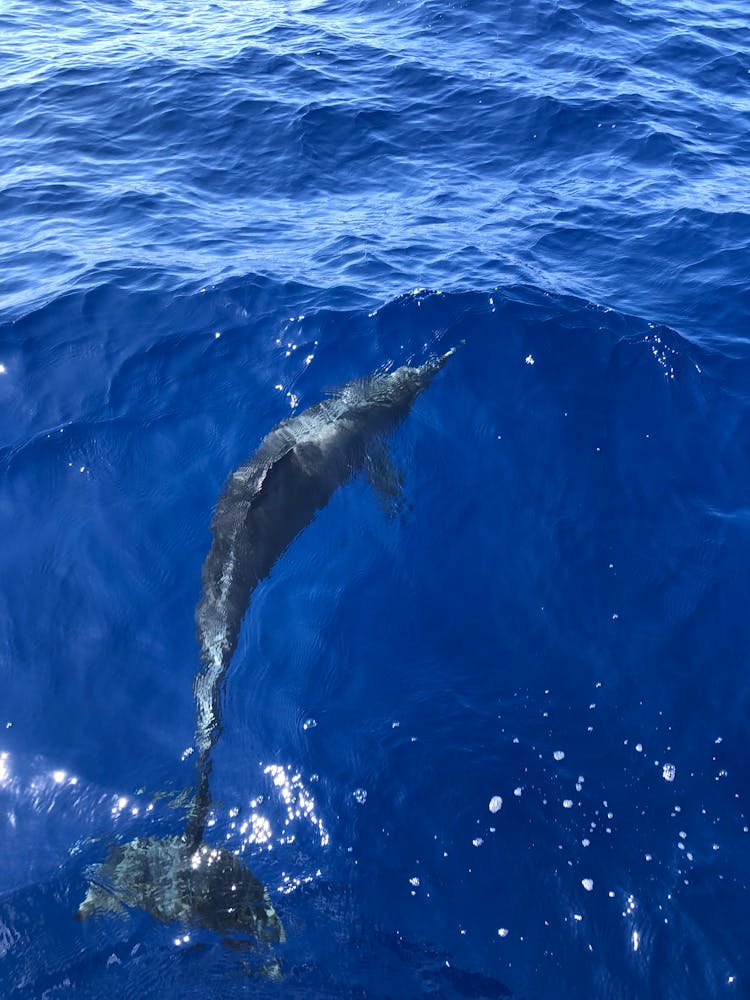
[266, 503]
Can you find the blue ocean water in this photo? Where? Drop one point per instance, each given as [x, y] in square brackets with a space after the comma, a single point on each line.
[213, 213]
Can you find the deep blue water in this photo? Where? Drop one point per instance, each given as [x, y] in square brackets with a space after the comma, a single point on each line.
[209, 215]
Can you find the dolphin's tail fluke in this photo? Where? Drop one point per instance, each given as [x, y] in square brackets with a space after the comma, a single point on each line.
[175, 882]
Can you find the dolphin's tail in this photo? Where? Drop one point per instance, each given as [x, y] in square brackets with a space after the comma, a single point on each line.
[196, 822]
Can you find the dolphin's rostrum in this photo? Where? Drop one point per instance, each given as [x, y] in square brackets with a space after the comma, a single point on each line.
[265, 505]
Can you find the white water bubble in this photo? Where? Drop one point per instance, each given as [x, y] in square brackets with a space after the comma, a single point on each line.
[496, 804]
[559, 755]
[359, 795]
[668, 772]
[567, 803]
[502, 932]
[588, 884]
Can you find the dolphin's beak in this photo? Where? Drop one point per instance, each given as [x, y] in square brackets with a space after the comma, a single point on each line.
[438, 362]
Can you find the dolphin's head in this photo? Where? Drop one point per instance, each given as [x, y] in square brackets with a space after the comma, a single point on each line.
[404, 384]
[431, 367]
[379, 402]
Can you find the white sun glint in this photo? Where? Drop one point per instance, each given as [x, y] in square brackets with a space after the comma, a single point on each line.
[300, 809]
[4, 770]
[298, 803]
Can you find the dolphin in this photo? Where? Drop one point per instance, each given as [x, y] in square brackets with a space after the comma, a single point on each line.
[265, 504]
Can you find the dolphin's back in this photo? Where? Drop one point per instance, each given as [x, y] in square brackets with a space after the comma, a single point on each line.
[265, 505]
[268, 501]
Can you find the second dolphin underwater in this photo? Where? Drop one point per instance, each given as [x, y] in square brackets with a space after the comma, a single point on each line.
[266, 503]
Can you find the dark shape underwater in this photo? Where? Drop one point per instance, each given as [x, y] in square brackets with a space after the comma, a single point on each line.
[265, 505]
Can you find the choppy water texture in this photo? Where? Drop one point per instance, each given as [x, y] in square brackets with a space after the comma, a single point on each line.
[210, 214]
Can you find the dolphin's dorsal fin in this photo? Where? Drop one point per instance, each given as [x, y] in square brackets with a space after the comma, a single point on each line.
[386, 480]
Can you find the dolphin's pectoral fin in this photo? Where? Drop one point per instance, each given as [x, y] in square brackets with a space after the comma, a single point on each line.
[386, 480]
